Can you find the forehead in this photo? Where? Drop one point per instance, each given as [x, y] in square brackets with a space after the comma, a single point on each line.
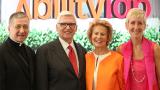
[20, 20]
[67, 19]
[139, 19]
[99, 28]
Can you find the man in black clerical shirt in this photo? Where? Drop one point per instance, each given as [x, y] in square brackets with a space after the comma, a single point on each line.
[16, 59]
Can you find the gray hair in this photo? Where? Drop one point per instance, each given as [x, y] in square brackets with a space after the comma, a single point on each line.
[65, 13]
[17, 15]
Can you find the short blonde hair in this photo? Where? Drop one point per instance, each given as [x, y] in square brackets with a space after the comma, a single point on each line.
[136, 12]
[103, 23]
[65, 13]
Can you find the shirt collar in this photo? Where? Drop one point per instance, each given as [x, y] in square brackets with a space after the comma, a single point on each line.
[15, 44]
[65, 44]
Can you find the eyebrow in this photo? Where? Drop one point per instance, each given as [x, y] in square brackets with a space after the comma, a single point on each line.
[66, 22]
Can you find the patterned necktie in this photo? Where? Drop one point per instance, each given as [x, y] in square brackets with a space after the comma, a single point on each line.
[72, 58]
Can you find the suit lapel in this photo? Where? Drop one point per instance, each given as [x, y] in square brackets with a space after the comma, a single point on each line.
[80, 58]
[63, 56]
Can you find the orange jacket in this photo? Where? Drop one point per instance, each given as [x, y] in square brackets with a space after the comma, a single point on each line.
[110, 72]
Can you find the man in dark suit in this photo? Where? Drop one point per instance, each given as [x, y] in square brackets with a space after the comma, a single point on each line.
[54, 68]
[16, 59]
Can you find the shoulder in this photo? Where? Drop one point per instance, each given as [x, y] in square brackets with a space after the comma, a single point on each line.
[89, 53]
[89, 56]
[116, 57]
[78, 45]
[116, 54]
[46, 46]
[156, 49]
[32, 51]
[121, 47]
[44, 50]
[3, 48]
[4, 53]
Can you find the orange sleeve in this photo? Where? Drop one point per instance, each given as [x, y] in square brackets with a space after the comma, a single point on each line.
[120, 74]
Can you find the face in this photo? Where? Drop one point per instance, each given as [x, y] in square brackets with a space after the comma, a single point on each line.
[18, 29]
[99, 36]
[66, 28]
[136, 27]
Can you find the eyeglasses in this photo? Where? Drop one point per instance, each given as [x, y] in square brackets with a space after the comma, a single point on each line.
[71, 25]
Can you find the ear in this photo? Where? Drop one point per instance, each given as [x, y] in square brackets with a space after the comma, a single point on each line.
[8, 28]
[126, 25]
[76, 28]
[56, 27]
[145, 25]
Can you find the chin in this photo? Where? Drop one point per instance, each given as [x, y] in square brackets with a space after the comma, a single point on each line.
[68, 37]
[98, 46]
[21, 40]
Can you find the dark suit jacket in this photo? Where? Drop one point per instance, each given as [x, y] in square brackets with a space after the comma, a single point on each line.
[15, 73]
[54, 70]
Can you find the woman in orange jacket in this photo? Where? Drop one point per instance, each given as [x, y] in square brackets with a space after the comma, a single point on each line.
[103, 66]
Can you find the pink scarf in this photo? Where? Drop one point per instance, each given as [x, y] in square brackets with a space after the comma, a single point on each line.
[147, 47]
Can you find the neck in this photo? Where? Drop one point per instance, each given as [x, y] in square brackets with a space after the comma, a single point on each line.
[100, 51]
[136, 42]
[69, 41]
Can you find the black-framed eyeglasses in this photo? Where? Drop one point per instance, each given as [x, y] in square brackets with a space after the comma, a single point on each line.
[71, 25]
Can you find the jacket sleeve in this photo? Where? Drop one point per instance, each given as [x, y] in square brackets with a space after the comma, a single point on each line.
[120, 74]
[41, 81]
[2, 71]
[157, 62]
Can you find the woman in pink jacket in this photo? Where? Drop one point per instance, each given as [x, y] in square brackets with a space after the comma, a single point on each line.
[141, 56]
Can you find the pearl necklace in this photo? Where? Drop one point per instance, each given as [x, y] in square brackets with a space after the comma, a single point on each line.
[133, 73]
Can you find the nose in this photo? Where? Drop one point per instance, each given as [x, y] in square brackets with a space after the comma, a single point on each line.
[21, 30]
[67, 26]
[98, 35]
[136, 26]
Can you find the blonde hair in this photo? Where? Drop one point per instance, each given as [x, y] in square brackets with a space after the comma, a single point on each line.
[103, 23]
[65, 13]
[137, 13]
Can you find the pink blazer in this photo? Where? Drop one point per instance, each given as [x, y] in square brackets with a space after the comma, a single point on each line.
[147, 47]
